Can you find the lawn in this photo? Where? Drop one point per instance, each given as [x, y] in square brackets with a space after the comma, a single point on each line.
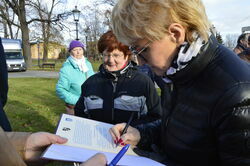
[33, 105]
[32, 102]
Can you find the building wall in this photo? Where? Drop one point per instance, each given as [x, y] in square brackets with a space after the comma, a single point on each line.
[53, 52]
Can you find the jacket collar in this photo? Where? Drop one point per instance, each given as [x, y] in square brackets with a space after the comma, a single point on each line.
[126, 71]
[198, 64]
[72, 62]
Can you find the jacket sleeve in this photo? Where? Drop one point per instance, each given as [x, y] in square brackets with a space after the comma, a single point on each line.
[4, 122]
[231, 121]
[4, 76]
[63, 86]
[12, 147]
[80, 106]
[153, 102]
[150, 135]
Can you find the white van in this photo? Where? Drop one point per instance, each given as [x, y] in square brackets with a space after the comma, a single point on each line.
[14, 56]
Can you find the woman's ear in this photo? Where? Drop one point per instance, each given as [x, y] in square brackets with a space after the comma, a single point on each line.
[177, 33]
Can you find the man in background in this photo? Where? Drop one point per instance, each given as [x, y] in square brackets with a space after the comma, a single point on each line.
[242, 48]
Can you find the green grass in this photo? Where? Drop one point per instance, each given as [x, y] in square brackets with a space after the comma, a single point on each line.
[33, 105]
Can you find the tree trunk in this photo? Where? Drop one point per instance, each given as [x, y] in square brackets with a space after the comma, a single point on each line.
[26, 45]
[45, 49]
[25, 33]
[46, 41]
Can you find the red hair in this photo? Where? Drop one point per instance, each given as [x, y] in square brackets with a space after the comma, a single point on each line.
[109, 42]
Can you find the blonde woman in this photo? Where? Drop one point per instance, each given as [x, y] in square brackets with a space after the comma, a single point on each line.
[207, 122]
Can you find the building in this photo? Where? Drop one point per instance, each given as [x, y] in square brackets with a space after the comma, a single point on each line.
[53, 50]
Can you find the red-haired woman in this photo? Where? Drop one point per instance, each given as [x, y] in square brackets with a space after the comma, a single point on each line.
[118, 89]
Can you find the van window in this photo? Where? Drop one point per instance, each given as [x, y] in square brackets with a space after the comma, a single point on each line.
[13, 55]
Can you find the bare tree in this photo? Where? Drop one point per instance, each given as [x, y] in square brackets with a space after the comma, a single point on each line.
[8, 20]
[45, 13]
[18, 7]
[109, 2]
[93, 17]
[231, 40]
[107, 21]
[107, 11]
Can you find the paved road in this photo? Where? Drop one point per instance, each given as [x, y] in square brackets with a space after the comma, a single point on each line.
[42, 74]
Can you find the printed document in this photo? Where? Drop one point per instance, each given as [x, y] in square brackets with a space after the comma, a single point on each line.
[87, 137]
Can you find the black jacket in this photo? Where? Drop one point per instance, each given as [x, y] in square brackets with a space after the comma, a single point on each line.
[4, 122]
[112, 97]
[208, 123]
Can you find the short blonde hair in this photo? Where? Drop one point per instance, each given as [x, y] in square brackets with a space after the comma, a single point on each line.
[149, 19]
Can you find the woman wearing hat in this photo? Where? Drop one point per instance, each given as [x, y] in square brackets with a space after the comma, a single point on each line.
[75, 70]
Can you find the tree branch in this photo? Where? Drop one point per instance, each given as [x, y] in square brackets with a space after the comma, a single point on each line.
[12, 5]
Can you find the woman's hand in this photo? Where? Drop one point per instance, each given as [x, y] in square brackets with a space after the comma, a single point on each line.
[132, 136]
[37, 142]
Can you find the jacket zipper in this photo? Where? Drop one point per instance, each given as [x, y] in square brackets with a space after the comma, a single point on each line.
[173, 97]
[114, 83]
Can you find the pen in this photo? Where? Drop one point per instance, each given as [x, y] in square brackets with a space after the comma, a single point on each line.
[119, 155]
[126, 127]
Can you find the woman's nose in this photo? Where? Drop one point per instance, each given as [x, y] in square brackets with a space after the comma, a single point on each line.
[111, 58]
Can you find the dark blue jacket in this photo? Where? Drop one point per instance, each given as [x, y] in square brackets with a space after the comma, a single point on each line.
[4, 122]
[208, 121]
[112, 96]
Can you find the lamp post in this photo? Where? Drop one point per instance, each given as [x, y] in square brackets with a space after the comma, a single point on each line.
[38, 50]
[76, 14]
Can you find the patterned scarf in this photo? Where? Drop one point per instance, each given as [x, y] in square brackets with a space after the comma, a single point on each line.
[186, 53]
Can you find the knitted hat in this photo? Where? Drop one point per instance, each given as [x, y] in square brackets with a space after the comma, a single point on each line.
[75, 43]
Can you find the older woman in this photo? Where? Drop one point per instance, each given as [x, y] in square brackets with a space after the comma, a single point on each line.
[76, 69]
[118, 89]
[208, 120]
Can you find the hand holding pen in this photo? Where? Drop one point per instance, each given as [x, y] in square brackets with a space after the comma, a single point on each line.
[120, 141]
[131, 136]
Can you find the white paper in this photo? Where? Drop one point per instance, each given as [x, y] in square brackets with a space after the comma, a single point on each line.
[87, 137]
[75, 154]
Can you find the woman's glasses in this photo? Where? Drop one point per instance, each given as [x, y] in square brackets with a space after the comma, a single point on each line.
[139, 52]
[115, 56]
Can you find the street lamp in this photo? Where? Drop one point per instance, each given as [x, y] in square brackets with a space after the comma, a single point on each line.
[76, 14]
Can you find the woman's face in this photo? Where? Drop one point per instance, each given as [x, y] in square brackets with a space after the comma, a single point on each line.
[77, 52]
[158, 54]
[115, 60]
